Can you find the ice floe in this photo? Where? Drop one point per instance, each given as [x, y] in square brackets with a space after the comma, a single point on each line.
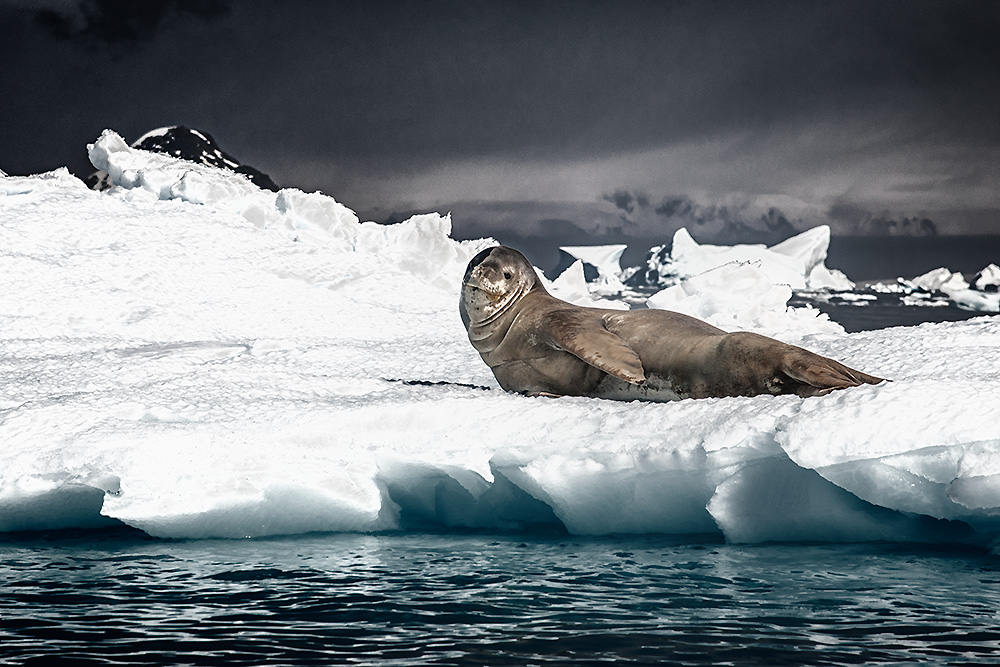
[197, 357]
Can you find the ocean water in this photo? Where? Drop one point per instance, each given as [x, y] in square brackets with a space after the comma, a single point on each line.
[885, 311]
[432, 599]
[886, 258]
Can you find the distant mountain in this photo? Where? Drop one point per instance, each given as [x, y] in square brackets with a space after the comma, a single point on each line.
[193, 145]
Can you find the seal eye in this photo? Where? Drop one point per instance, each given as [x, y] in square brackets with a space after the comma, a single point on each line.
[506, 275]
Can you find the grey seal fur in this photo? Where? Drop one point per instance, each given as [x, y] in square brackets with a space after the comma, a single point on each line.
[537, 344]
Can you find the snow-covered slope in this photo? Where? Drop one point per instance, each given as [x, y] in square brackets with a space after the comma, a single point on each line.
[198, 357]
[191, 145]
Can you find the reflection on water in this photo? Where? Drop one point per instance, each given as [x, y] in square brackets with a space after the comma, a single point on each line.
[486, 599]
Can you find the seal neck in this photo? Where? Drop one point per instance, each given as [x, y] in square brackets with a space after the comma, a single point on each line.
[487, 334]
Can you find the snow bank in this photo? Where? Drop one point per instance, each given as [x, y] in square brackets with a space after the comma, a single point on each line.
[740, 297]
[198, 358]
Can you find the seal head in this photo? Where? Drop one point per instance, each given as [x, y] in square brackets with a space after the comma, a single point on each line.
[494, 281]
[533, 342]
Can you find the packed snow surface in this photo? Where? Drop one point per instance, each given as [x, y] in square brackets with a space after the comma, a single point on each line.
[197, 357]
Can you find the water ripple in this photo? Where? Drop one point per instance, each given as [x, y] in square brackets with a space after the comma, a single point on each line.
[474, 600]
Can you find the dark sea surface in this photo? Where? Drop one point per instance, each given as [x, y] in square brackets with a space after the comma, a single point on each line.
[885, 310]
[415, 599]
[886, 258]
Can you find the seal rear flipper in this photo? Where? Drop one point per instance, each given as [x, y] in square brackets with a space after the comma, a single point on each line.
[602, 349]
[821, 376]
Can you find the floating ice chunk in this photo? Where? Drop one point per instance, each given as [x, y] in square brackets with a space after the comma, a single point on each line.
[955, 286]
[969, 299]
[740, 297]
[721, 294]
[822, 278]
[854, 298]
[607, 260]
[899, 286]
[988, 277]
[691, 258]
[797, 262]
[809, 247]
[572, 286]
[923, 299]
[940, 280]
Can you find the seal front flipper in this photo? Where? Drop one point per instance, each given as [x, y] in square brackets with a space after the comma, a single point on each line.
[593, 343]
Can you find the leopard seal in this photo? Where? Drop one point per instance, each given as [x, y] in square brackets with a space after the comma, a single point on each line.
[537, 344]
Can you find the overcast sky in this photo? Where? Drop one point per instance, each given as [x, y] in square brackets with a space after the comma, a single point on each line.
[614, 119]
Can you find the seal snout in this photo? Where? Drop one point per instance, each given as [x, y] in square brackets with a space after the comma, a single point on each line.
[484, 278]
[475, 266]
[486, 272]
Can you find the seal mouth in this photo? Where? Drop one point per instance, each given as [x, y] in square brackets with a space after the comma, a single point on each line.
[502, 305]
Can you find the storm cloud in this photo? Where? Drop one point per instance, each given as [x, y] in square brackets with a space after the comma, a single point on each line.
[856, 114]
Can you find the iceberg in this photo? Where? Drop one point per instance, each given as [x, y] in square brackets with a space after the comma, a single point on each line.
[988, 278]
[196, 357]
[798, 262]
[571, 285]
[941, 280]
[607, 260]
[958, 290]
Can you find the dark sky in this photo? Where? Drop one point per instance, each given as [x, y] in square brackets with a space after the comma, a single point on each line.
[613, 120]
